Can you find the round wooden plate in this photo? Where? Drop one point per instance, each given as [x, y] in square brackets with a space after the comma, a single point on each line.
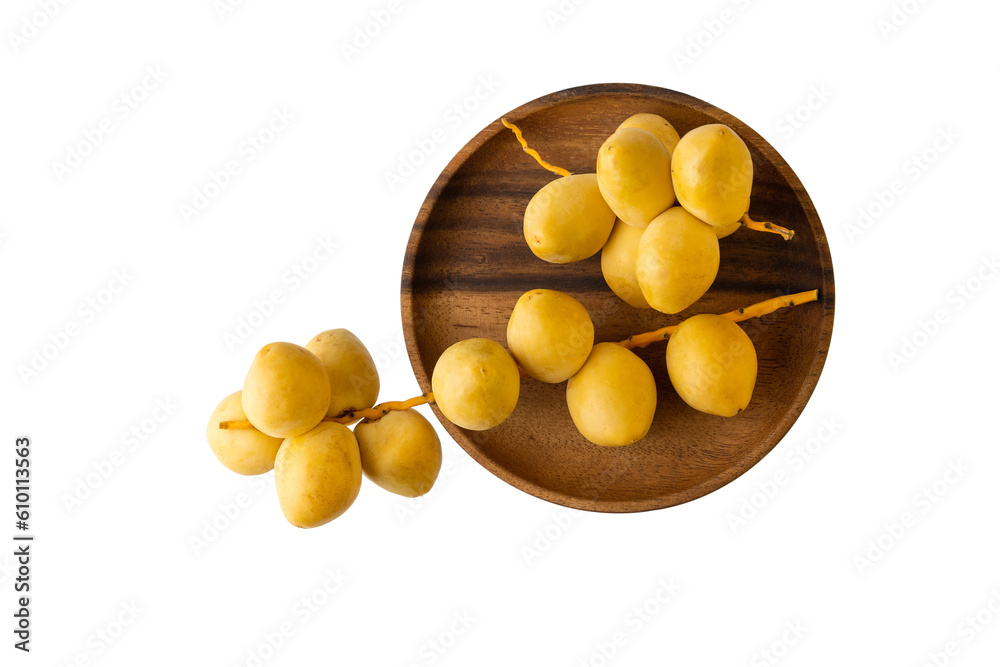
[467, 263]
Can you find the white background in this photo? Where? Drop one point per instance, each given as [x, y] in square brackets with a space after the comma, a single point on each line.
[466, 551]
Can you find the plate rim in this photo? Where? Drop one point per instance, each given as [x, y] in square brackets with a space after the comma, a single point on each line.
[752, 456]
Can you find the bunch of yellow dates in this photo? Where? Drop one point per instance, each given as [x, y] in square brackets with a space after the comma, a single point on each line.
[292, 416]
[655, 208]
[297, 403]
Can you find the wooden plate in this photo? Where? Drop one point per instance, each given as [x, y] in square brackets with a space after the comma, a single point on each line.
[467, 263]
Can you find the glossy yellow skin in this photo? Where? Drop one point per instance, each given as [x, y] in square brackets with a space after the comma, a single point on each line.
[246, 451]
[728, 230]
[286, 391]
[618, 264]
[400, 452]
[568, 219]
[476, 384]
[354, 383]
[612, 399]
[550, 335]
[712, 365]
[677, 260]
[318, 475]
[656, 125]
[712, 173]
[633, 172]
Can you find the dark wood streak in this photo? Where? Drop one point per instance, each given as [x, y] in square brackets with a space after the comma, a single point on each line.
[466, 264]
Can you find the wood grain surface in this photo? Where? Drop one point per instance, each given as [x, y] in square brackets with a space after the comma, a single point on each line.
[467, 263]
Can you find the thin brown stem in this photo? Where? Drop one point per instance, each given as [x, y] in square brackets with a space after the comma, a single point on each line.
[758, 226]
[235, 424]
[531, 151]
[739, 315]
[382, 409]
[371, 414]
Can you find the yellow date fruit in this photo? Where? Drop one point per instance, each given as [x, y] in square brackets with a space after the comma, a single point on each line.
[712, 365]
[618, 264]
[568, 219]
[712, 172]
[656, 125]
[633, 172]
[286, 391]
[612, 399]
[246, 451]
[677, 260]
[318, 475]
[550, 335]
[354, 383]
[400, 452]
[476, 384]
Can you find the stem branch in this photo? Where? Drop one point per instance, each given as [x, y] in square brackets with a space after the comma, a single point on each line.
[371, 414]
[739, 315]
[755, 225]
[531, 151]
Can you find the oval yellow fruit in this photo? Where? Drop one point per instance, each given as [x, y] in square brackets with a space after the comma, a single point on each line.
[568, 219]
[317, 475]
[400, 452]
[618, 264]
[712, 172]
[612, 400]
[677, 260]
[286, 391]
[656, 125]
[712, 365]
[354, 383]
[476, 384]
[550, 335]
[633, 172]
[246, 451]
